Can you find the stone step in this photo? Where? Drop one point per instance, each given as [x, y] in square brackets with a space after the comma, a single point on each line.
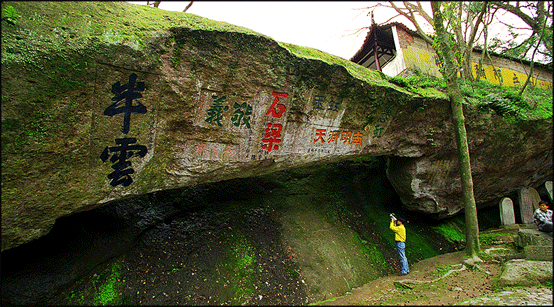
[535, 237]
[536, 252]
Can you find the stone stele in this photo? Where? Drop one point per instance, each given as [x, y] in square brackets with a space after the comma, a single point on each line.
[507, 216]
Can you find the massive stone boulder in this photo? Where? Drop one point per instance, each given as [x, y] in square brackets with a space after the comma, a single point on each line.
[107, 100]
[505, 156]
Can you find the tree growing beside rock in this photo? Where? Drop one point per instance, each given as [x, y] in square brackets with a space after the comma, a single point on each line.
[449, 72]
[445, 45]
[457, 27]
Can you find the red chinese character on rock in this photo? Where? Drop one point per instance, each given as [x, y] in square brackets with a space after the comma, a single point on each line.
[201, 149]
[333, 137]
[272, 137]
[229, 152]
[345, 137]
[320, 133]
[277, 110]
[357, 138]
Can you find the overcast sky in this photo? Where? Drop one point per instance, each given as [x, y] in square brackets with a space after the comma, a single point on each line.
[327, 26]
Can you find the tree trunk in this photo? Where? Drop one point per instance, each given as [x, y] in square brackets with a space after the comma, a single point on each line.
[449, 72]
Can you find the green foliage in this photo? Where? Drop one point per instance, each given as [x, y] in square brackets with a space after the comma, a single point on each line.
[108, 291]
[418, 245]
[499, 104]
[10, 15]
[490, 238]
[239, 266]
[444, 269]
[106, 288]
[418, 80]
[400, 286]
[451, 231]
[372, 252]
[176, 56]
[506, 101]
[503, 100]
[354, 69]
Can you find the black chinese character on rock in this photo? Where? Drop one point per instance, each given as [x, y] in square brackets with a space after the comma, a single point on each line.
[334, 106]
[318, 102]
[127, 92]
[242, 115]
[122, 168]
[215, 112]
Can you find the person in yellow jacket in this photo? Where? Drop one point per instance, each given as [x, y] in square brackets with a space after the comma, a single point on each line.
[397, 226]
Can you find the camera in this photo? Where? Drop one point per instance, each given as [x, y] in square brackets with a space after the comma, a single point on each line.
[392, 216]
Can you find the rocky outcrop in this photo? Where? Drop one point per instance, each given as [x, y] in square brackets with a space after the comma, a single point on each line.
[504, 157]
[537, 245]
[104, 101]
[521, 272]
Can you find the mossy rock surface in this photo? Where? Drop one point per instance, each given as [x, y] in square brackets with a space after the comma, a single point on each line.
[282, 107]
[59, 63]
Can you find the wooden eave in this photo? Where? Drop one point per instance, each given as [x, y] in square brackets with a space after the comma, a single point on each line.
[378, 48]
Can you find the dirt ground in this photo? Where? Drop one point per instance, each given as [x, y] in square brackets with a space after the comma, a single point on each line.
[424, 285]
[279, 249]
[186, 261]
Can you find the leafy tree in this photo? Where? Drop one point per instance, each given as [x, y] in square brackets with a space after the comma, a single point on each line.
[445, 44]
[464, 20]
[537, 15]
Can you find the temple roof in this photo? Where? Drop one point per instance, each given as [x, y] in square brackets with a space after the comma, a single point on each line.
[379, 41]
[380, 36]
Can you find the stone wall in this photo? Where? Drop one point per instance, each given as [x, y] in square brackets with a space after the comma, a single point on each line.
[418, 54]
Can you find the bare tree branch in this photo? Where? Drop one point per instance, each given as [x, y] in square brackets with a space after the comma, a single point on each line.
[532, 60]
[398, 15]
[188, 6]
[518, 12]
[411, 17]
[479, 20]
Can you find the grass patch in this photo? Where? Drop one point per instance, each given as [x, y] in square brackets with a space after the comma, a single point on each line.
[107, 288]
[492, 238]
[451, 230]
[239, 267]
[444, 269]
[534, 103]
[373, 253]
[400, 286]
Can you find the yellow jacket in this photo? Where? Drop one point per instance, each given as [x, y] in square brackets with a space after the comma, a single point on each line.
[399, 232]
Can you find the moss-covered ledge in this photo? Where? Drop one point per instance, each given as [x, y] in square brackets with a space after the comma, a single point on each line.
[219, 102]
[59, 58]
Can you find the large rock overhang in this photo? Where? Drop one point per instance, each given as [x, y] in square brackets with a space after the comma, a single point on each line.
[95, 111]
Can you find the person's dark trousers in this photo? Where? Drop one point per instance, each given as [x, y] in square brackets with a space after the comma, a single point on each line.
[547, 227]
